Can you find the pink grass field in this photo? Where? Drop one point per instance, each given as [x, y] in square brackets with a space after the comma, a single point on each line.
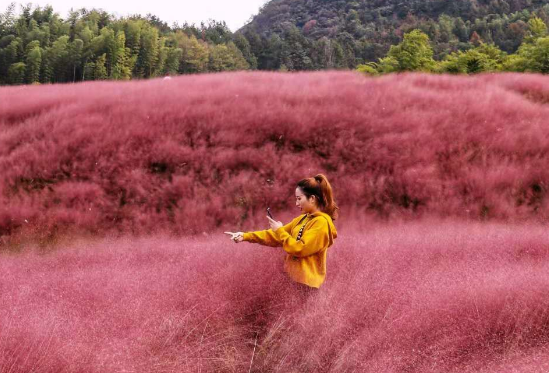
[413, 297]
[114, 197]
[196, 153]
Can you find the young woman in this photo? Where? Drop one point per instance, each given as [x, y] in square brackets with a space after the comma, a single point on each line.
[306, 238]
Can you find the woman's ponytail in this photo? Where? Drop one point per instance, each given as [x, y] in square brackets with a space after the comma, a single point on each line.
[327, 196]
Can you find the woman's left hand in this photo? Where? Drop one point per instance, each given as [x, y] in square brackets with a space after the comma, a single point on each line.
[274, 224]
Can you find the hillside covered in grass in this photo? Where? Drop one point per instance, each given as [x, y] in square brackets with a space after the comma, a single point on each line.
[195, 153]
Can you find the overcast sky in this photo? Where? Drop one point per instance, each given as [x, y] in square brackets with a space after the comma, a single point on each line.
[235, 13]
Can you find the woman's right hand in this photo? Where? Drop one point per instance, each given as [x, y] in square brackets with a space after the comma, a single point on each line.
[236, 236]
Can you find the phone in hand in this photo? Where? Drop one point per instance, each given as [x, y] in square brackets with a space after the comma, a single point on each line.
[269, 213]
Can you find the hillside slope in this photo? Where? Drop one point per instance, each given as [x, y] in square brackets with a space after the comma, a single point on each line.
[197, 152]
[365, 30]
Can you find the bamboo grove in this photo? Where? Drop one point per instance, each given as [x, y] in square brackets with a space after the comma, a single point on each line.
[40, 47]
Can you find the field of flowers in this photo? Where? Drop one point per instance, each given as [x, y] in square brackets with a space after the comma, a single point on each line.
[114, 197]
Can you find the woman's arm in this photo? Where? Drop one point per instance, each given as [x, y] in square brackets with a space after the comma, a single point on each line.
[314, 239]
[267, 237]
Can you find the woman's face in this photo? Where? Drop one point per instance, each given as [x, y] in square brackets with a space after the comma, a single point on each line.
[306, 206]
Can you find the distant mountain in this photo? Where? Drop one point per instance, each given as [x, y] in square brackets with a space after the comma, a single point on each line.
[366, 28]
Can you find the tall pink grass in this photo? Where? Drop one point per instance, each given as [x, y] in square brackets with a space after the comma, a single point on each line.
[194, 153]
[416, 297]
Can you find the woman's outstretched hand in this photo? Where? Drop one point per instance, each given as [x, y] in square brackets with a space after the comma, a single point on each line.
[236, 236]
[274, 224]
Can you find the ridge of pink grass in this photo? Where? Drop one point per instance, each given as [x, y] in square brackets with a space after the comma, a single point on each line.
[196, 153]
[417, 297]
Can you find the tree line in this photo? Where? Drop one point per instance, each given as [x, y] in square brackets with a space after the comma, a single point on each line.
[37, 46]
[415, 53]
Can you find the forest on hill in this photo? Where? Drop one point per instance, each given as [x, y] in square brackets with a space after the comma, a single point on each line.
[351, 31]
[38, 46]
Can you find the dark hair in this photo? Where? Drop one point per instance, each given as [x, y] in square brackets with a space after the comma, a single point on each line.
[319, 187]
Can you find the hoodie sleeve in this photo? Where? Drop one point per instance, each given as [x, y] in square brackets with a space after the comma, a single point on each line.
[315, 238]
[267, 237]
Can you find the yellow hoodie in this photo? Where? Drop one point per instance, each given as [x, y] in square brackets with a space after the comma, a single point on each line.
[305, 261]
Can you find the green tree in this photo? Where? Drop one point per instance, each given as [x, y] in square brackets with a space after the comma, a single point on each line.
[536, 29]
[271, 55]
[226, 58]
[33, 61]
[194, 54]
[76, 48]
[539, 56]
[322, 53]
[239, 62]
[132, 32]
[105, 43]
[46, 69]
[35, 33]
[257, 45]
[533, 54]
[100, 68]
[89, 69]
[215, 32]
[368, 68]
[22, 23]
[242, 43]
[172, 61]
[58, 56]
[348, 52]
[7, 21]
[122, 69]
[446, 26]
[484, 58]
[9, 54]
[14, 51]
[461, 30]
[414, 53]
[148, 53]
[16, 73]
[86, 35]
[339, 58]
[296, 51]
[163, 51]
[387, 65]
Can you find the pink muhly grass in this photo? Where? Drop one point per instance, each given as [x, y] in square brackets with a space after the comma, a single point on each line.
[417, 297]
[197, 153]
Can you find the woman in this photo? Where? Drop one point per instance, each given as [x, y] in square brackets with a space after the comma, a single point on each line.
[305, 239]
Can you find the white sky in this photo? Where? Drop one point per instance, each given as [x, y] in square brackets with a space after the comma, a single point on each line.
[234, 13]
